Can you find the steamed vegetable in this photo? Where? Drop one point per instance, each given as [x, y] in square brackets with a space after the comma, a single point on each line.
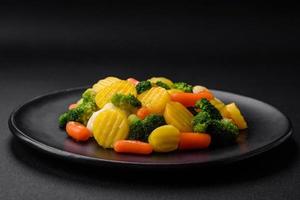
[121, 87]
[162, 84]
[199, 88]
[205, 106]
[141, 129]
[183, 87]
[126, 102]
[152, 115]
[153, 121]
[143, 112]
[133, 81]
[189, 99]
[72, 106]
[110, 126]
[223, 132]
[91, 121]
[136, 129]
[218, 104]
[132, 146]
[82, 112]
[171, 91]
[143, 86]
[179, 116]
[155, 99]
[77, 131]
[200, 122]
[234, 113]
[104, 83]
[194, 141]
[165, 138]
[164, 80]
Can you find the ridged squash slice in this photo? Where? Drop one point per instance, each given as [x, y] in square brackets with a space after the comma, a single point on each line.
[155, 99]
[104, 83]
[234, 113]
[179, 116]
[110, 126]
[105, 94]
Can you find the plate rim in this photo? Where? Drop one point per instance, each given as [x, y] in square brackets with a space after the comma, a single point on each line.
[23, 137]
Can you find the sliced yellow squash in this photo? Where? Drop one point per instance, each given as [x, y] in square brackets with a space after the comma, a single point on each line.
[179, 116]
[164, 138]
[155, 99]
[234, 113]
[217, 103]
[104, 83]
[110, 126]
[104, 95]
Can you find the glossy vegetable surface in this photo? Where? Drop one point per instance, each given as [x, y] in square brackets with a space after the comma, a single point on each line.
[105, 94]
[235, 114]
[189, 99]
[153, 114]
[110, 126]
[77, 131]
[190, 140]
[164, 138]
[155, 99]
[179, 116]
[132, 146]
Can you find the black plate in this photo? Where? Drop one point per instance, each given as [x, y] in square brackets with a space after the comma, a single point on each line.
[35, 123]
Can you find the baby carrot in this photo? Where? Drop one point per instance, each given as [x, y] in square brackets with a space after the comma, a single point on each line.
[133, 81]
[72, 106]
[194, 141]
[142, 112]
[189, 99]
[132, 146]
[77, 131]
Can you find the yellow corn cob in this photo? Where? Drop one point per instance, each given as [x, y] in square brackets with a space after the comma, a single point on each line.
[155, 99]
[179, 116]
[110, 126]
[104, 95]
[104, 83]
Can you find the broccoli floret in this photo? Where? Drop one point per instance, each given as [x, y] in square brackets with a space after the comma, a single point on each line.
[152, 121]
[201, 117]
[223, 132]
[200, 122]
[205, 106]
[126, 102]
[141, 129]
[143, 86]
[183, 86]
[136, 128]
[200, 128]
[82, 112]
[209, 120]
[162, 84]
[88, 95]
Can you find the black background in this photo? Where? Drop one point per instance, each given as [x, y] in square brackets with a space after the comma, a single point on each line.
[246, 48]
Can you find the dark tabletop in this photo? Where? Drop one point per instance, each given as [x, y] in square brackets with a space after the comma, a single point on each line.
[245, 49]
